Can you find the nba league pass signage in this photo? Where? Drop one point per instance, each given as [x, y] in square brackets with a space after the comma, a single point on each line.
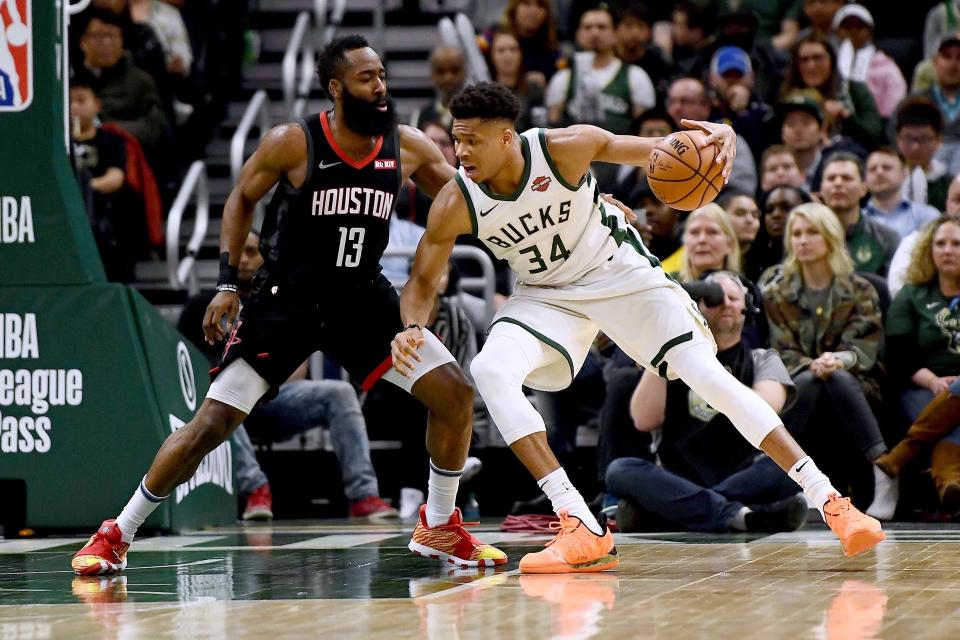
[16, 55]
[33, 391]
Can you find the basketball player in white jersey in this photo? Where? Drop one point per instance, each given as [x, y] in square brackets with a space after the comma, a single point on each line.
[531, 199]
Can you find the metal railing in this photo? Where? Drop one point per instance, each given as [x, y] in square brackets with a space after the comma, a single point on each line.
[297, 67]
[181, 273]
[257, 112]
[484, 285]
[336, 19]
[459, 33]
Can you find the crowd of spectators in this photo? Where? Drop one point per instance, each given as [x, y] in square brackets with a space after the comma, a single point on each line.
[835, 245]
[150, 80]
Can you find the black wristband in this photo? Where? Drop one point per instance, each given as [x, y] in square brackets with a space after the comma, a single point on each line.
[413, 325]
[228, 274]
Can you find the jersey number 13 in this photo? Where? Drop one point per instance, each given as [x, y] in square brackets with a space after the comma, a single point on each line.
[351, 246]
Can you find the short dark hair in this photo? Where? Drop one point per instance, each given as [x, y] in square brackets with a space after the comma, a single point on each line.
[697, 16]
[103, 15]
[330, 64]
[776, 150]
[656, 113]
[485, 100]
[82, 83]
[919, 112]
[844, 156]
[634, 11]
[887, 150]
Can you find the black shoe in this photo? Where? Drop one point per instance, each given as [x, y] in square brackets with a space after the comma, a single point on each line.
[539, 505]
[628, 517]
[950, 501]
[788, 514]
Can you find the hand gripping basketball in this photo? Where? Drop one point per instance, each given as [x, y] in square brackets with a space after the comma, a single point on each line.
[224, 306]
[688, 169]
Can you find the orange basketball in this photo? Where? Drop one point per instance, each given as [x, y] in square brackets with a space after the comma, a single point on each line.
[683, 173]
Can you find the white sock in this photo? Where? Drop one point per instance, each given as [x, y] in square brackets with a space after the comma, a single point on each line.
[886, 493]
[441, 494]
[816, 486]
[563, 496]
[141, 505]
[739, 520]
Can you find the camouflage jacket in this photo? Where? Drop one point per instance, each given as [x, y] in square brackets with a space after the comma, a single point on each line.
[849, 321]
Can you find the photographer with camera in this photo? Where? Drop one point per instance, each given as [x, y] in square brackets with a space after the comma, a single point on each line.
[708, 478]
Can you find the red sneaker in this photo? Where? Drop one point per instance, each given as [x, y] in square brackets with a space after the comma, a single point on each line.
[259, 504]
[373, 509]
[453, 543]
[104, 553]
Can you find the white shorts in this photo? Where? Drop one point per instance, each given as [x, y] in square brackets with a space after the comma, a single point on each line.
[646, 313]
[241, 387]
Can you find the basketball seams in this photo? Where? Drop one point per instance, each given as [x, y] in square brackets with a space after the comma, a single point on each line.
[706, 177]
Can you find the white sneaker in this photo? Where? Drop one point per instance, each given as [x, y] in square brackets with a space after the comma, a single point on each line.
[470, 469]
[886, 493]
[410, 501]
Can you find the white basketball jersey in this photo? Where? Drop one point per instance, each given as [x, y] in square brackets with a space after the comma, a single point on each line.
[549, 231]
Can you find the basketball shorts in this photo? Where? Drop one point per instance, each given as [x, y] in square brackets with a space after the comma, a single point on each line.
[274, 335]
[628, 298]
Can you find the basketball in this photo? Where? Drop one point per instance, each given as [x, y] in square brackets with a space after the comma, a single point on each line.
[683, 173]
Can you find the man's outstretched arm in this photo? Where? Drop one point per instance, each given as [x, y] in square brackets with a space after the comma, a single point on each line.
[448, 218]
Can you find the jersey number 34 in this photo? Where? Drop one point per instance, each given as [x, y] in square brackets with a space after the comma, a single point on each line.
[557, 252]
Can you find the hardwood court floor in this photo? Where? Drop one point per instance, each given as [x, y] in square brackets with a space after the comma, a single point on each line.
[322, 580]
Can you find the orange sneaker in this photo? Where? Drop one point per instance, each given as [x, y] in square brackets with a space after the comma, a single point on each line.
[857, 532]
[104, 553]
[453, 543]
[575, 549]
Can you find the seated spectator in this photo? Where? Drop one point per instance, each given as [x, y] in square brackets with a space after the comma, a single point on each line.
[904, 254]
[925, 353]
[710, 244]
[886, 174]
[598, 88]
[779, 168]
[735, 103]
[299, 406]
[745, 218]
[128, 94]
[870, 243]
[652, 123]
[919, 127]
[448, 72]
[825, 322]
[687, 99]
[100, 161]
[820, 14]
[944, 92]
[663, 223]
[635, 45]
[941, 21]
[766, 251]
[803, 130]
[412, 204]
[505, 60]
[690, 37]
[737, 27]
[859, 60]
[535, 25]
[709, 479]
[848, 106]
[140, 40]
[170, 30]
[777, 20]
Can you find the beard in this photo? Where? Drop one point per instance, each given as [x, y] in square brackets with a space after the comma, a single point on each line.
[362, 116]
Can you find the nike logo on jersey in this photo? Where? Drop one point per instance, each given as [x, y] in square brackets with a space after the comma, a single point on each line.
[484, 213]
[327, 166]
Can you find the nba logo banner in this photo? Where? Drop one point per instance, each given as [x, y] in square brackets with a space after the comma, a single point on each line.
[16, 55]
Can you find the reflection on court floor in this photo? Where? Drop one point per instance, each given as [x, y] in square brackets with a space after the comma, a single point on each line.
[344, 581]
